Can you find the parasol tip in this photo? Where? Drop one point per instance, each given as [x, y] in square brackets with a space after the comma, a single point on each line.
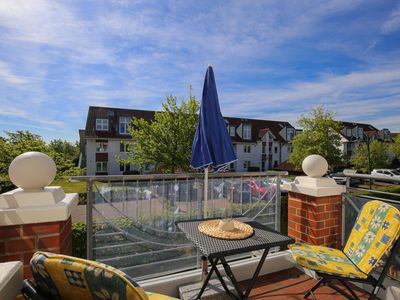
[209, 65]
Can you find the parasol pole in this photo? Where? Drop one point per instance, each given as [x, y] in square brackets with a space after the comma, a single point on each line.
[205, 192]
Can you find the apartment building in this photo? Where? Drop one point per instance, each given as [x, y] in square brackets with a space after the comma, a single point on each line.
[259, 144]
[354, 133]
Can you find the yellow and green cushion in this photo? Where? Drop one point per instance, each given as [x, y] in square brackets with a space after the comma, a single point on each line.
[374, 232]
[326, 260]
[66, 277]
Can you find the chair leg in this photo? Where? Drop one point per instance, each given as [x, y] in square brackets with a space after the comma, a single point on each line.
[349, 289]
[353, 295]
[374, 292]
[311, 291]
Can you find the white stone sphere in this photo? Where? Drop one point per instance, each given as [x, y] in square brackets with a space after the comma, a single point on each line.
[315, 166]
[32, 171]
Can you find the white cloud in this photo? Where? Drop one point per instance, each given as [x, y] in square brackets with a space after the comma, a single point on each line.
[9, 77]
[358, 96]
[392, 24]
[12, 111]
[63, 56]
[52, 24]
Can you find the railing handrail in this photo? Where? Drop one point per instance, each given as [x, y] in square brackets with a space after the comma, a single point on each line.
[373, 177]
[91, 178]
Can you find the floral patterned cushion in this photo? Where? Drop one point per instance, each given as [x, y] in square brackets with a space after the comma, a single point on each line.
[374, 232]
[66, 277]
[376, 229]
[326, 260]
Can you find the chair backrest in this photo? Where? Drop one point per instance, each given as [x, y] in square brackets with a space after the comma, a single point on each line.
[66, 277]
[376, 229]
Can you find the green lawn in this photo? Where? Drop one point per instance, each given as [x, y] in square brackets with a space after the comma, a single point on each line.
[70, 187]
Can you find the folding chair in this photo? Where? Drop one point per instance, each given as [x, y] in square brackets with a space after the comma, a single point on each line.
[375, 233]
[62, 277]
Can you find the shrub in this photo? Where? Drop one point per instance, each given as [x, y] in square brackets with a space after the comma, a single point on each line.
[82, 198]
[79, 240]
[6, 185]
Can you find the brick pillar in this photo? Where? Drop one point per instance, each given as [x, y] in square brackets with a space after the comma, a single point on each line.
[315, 205]
[20, 242]
[34, 216]
[315, 220]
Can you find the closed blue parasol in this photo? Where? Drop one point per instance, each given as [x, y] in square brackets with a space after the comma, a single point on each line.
[212, 145]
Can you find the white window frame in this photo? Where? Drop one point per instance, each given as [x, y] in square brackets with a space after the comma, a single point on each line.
[124, 147]
[103, 166]
[101, 147]
[247, 131]
[232, 130]
[123, 124]
[102, 124]
[348, 130]
[247, 149]
[125, 167]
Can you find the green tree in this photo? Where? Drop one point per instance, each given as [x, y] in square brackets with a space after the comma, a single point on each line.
[165, 142]
[378, 152]
[320, 135]
[68, 150]
[16, 143]
[395, 147]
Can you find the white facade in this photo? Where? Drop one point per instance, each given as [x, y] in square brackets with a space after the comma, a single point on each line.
[264, 158]
[250, 155]
[260, 145]
[113, 150]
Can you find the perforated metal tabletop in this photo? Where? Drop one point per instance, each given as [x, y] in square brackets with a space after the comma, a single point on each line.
[263, 237]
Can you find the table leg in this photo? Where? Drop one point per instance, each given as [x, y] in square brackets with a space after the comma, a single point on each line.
[229, 273]
[205, 282]
[204, 268]
[221, 279]
[258, 269]
[231, 276]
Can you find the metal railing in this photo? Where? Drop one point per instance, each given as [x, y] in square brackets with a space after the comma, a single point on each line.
[358, 192]
[131, 218]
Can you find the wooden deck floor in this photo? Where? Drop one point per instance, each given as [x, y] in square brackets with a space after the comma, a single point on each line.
[292, 284]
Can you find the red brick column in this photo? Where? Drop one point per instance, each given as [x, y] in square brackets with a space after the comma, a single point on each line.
[315, 220]
[20, 242]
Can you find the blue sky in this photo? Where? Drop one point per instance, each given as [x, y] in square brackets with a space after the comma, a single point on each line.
[272, 59]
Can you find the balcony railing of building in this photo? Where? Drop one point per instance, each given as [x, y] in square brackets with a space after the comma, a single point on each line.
[131, 218]
[357, 194]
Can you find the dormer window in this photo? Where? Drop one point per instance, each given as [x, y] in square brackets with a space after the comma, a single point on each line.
[360, 132]
[102, 124]
[247, 131]
[123, 125]
[290, 134]
[348, 132]
[232, 130]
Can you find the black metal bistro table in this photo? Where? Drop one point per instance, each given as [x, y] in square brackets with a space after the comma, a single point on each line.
[215, 250]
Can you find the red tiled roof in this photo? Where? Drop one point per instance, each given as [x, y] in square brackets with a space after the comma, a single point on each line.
[286, 166]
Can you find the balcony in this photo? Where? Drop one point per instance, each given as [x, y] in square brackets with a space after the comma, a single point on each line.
[130, 223]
